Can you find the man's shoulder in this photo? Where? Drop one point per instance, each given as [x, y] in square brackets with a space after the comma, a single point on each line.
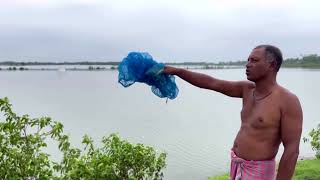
[287, 98]
[248, 84]
[247, 87]
[286, 94]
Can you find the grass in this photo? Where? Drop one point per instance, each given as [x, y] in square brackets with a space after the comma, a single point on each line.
[305, 170]
[220, 177]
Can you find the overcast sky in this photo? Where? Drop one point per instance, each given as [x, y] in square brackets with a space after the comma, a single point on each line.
[170, 30]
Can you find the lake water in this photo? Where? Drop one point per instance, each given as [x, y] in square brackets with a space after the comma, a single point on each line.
[196, 129]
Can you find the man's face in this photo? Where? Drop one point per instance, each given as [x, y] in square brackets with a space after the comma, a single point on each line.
[257, 66]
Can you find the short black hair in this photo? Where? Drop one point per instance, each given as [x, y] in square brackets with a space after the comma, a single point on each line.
[272, 54]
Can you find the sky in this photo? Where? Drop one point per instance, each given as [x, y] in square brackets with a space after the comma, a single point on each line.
[169, 30]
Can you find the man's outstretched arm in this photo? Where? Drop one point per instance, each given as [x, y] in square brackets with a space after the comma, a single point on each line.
[291, 127]
[229, 88]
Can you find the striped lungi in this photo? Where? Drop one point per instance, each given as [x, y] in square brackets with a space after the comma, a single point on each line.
[251, 170]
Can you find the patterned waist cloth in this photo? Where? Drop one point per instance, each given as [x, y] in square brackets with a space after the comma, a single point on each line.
[242, 169]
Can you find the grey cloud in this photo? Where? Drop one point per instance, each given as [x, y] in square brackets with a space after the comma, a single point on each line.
[102, 32]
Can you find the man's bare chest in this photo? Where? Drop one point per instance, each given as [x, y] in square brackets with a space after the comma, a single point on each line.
[261, 114]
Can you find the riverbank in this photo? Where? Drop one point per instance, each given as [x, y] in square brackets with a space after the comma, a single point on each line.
[311, 61]
[305, 169]
[114, 68]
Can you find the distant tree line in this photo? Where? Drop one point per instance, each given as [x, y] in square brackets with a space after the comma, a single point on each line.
[15, 68]
[22, 68]
[308, 61]
[35, 63]
[191, 63]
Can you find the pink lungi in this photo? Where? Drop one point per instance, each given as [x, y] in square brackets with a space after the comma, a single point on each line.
[251, 170]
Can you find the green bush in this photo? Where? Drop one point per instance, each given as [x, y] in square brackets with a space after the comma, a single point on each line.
[22, 140]
[315, 140]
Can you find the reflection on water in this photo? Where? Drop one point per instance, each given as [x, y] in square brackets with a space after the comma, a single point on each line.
[196, 129]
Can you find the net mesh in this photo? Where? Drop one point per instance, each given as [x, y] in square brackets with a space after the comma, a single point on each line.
[140, 67]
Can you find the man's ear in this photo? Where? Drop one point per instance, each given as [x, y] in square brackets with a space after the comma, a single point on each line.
[273, 65]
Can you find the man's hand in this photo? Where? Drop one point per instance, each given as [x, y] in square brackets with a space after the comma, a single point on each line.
[155, 70]
[170, 70]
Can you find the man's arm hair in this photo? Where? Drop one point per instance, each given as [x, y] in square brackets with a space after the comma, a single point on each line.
[229, 88]
[291, 127]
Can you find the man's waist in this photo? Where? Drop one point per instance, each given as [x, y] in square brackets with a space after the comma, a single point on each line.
[256, 154]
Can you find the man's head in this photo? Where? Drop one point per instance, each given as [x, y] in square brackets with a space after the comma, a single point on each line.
[263, 60]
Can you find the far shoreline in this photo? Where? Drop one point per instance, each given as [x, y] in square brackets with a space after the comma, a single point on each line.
[115, 68]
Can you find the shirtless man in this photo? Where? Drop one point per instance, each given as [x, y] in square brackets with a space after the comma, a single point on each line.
[270, 115]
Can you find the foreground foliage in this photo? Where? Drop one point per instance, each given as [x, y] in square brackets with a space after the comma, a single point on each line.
[22, 140]
[315, 140]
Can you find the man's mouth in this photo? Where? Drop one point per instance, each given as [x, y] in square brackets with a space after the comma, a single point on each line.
[247, 72]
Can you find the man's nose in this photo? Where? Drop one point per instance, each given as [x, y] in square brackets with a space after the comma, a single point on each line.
[248, 64]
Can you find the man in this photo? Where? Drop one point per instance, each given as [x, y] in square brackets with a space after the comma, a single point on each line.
[270, 115]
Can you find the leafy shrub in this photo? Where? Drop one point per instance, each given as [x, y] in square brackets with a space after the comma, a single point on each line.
[315, 140]
[22, 140]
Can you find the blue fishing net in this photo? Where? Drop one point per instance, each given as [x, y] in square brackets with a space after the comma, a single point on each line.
[140, 67]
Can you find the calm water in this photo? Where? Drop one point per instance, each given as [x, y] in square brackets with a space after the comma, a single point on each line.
[196, 129]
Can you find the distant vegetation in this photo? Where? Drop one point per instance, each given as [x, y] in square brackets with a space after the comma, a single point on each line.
[91, 68]
[307, 61]
[36, 63]
[310, 61]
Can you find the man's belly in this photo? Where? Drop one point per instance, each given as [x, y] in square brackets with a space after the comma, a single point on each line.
[255, 146]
